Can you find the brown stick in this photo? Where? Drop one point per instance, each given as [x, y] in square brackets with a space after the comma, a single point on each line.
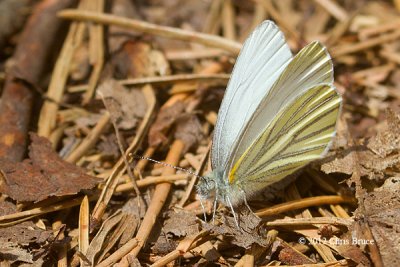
[83, 240]
[30, 62]
[357, 47]
[220, 78]
[159, 197]
[48, 113]
[334, 9]
[168, 32]
[271, 10]
[96, 46]
[303, 203]
[116, 255]
[228, 20]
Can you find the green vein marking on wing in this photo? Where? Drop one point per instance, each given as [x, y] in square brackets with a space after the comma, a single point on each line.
[298, 135]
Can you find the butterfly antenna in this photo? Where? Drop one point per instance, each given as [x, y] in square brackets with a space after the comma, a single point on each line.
[168, 165]
[233, 211]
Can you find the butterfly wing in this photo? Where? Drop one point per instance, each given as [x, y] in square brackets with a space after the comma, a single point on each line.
[310, 67]
[299, 116]
[262, 59]
[298, 135]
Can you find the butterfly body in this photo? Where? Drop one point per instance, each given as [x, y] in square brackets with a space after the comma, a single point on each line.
[278, 114]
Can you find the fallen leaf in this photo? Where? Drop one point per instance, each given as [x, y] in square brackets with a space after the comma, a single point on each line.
[387, 141]
[372, 160]
[13, 253]
[188, 129]
[165, 119]
[243, 236]
[181, 223]
[164, 245]
[126, 106]
[116, 230]
[18, 243]
[88, 120]
[382, 210]
[355, 254]
[108, 146]
[178, 224]
[43, 175]
[137, 59]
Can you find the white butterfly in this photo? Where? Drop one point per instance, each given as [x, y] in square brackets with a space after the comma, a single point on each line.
[278, 114]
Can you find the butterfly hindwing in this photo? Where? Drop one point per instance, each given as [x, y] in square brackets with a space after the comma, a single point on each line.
[298, 135]
[295, 128]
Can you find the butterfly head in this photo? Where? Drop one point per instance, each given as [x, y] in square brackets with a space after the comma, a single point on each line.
[207, 186]
[215, 186]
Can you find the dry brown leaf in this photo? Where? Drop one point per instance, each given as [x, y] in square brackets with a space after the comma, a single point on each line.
[165, 119]
[354, 253]
[387, 141]
[380, 207]
[108, 146]
[181, 223]
[19, 242]
[246, 235]
[382, 210]
[98, 243]
[137, 59]
[126, 106]
[188, 129]
[372, 160]
[43, 175]
[366, 162]
[117, 230]
[134, 214]
[24, 233]
[178, 224]
[164, 245]
[88, 120]
[13, 253]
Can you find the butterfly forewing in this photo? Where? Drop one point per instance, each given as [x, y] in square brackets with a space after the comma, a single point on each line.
[298, 134]
[263, 57]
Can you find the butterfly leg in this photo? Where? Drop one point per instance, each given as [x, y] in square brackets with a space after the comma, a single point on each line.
[245, 201]
[214, 207]
[204, 210]
[233, 212]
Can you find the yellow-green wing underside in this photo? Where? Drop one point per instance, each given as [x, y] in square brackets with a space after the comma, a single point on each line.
[312, 66]
[299, 134]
